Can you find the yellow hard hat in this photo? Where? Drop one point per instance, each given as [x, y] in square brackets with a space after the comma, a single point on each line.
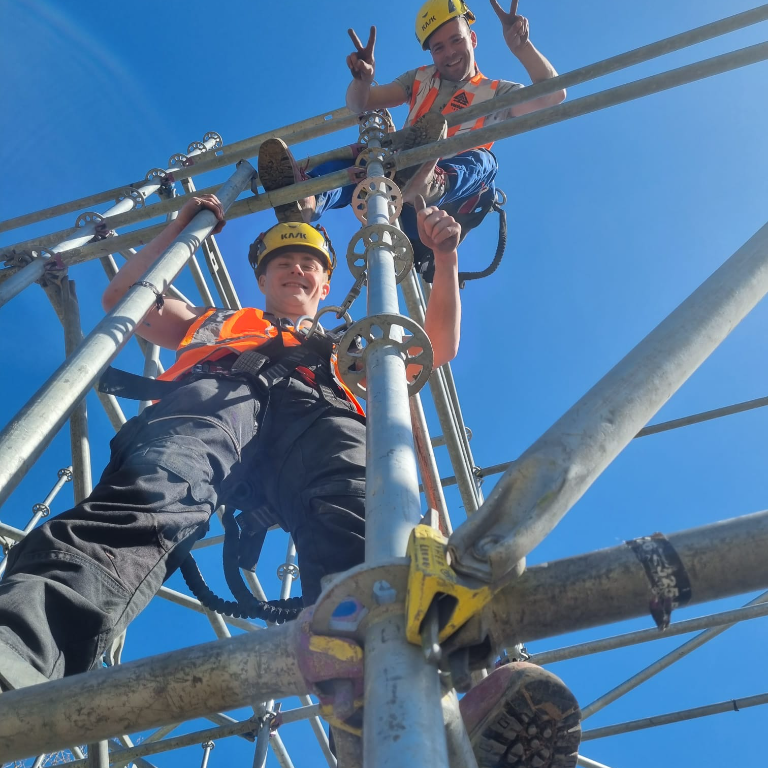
[292, 236]
[434, 13]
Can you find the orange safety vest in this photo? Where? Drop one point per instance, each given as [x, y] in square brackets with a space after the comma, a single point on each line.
[221, 332]
[426, 87]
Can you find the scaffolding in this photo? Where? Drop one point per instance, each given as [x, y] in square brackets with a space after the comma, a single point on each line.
[367, 654]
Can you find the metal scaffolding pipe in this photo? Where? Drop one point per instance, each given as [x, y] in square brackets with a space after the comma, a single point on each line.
[112, 409]
[341, 118]
[613, 64]
[146, 748]
[39, 511]
[23, 278]
[216, 264]
[663, 663]
[585, 762]
[396, 722]
[726, 619]
[445, 373]
[552, 475]
[98, 755]
[430, 476]
[460, 143]
[652, 429]
[179, 685]
[24, 439]
[610, 585]
[415, 304]
[611, 97]
[733, 705]
[78, 421]
[303, 130]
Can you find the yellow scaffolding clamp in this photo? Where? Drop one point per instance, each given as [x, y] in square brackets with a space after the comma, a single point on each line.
[430, 578]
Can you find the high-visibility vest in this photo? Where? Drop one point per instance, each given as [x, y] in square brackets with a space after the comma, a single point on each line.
[221, 332]
[426, 87]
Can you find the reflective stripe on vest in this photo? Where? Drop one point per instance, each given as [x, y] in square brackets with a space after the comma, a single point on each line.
[220, 332]
[426, 88]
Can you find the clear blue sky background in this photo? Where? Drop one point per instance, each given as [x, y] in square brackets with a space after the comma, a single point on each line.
[614, 219]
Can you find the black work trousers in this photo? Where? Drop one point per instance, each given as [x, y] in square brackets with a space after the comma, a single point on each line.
[77, 581]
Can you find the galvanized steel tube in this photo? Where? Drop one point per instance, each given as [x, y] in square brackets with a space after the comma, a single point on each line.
[402, 719]
[24, 439]
[179, 685]
[732, 705]
[22, 279]
[610, 585]
[551, 475]
[663, 663]
[613, 64]
[462, 142]
[341, 118]
[78, 421]
[722, 621]
[415, 304]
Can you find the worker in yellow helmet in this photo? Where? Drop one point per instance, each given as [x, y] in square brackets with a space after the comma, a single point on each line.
[452, 82]
[252, 416]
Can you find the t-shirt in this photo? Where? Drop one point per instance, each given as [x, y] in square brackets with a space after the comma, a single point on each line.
[448, 88]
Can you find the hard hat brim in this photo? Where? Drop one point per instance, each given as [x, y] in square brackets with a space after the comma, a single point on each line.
[316, 252]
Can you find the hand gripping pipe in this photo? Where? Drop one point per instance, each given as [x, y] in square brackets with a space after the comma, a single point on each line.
[552, 475]
[29, 432]
[403, 720]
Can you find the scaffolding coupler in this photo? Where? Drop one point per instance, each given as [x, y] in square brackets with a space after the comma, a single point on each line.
[433, 583]
[333, 669]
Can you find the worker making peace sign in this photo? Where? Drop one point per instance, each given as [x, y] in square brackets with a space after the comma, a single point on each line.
[459, 184]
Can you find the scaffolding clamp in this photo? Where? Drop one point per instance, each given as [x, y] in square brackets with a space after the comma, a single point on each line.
[333, 669]
[433, 584]
[383, 330]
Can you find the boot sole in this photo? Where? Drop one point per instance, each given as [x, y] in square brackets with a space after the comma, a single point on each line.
[275, 172]
[535, 726]
[427, 129]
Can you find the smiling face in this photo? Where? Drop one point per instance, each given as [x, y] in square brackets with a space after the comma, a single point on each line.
[453, 50]
[294, 283]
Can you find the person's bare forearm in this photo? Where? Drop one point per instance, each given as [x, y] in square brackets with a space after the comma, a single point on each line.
[443, 318]
[358, 94]
[133, 269]
[536, 63]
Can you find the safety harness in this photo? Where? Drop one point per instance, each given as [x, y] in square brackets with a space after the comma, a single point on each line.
[243, 535]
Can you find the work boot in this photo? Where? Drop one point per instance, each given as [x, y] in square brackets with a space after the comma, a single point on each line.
[522, 716]
[278, 169]
[15, 672]
[430, 181]
[427, 129]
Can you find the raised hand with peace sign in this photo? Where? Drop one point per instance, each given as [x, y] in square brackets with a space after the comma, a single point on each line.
[361, 63]
[514, 27]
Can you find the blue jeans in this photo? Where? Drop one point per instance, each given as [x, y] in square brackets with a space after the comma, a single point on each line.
[469, 173]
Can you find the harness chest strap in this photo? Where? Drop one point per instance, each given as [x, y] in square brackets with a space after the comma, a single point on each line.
[219, 333]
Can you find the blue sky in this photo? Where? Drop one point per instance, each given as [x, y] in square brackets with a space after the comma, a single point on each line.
[614, 219]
